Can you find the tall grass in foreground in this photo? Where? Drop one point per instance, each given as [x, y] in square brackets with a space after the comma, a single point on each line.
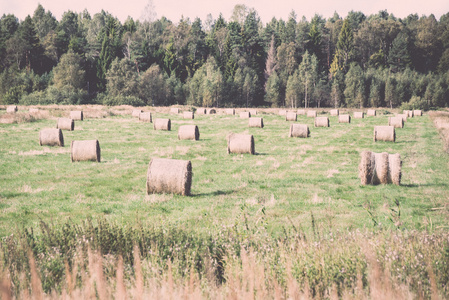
[110, 261]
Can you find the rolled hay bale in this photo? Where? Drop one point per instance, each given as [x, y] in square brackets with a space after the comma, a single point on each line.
[282, 112]
[66, 124]
[335, 112]
[299, 130]
[245, 115]
[51, 137]
[384, 133]
[358, 115]
[380, 168]
[188, 132]
[76, 115]
[240, 143]
[188, 115]
[396, 122]
[311, 113]
[11, 109]
[321, 122]
[171, 176]
[253, 112]
[145, 117]
[417, 112]
[33, 110]
[344, 118]
[290, 116]
[403, 116]
[256, 122]
[162, 124]
[211, 111]
[301, 112]
[409, 113]
[174, 110]
[136, 113]
[230, 111]
[371, 113]
[88, 150]
[201, 111]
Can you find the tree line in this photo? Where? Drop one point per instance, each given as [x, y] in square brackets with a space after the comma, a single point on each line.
[357, 61]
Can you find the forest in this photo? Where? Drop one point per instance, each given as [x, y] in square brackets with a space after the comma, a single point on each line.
[357, 61]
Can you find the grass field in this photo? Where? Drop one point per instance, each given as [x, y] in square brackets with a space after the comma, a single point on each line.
[305, 185]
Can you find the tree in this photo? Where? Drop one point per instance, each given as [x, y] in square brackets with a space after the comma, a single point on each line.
[271, 64]
[273, 90]
[69, 71]
[293, 90]
[308, 76]
[355, 86]
[122, 79]
[345, 45]
[153, 88]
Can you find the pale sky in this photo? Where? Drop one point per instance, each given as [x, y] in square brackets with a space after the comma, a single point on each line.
[267, 9]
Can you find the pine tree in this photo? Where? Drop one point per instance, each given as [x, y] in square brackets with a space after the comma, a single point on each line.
[399, 57]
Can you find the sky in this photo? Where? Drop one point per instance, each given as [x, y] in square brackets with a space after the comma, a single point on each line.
[267, 9]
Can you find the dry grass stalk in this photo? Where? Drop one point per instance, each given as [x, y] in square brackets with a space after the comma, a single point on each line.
[5, 285]
[230, 111]
[120, 292]
[136, 112]
[88, 150]
[240, 143]
[188, 132]
[282, 112]
[11, 109]
[51, 137]
[138, 272]
[33, 110]
[311, 113]
[417, 112]
[403, 116]
[66, 124]
[201, 111]
[299, 130]
[321, 122]
[211, 111]
[169, 176]
[162, 124]
[36, 284]
[335, 112]
[256, 122]
[174, 110]
[396, 122]
[301, 112]
[145, 117]
[380, 168]
[371, 113]
[188, 115]
[245, 115]
[291, 116]
[76, 115]
[358, 115]
[344, 118]
[384, 133]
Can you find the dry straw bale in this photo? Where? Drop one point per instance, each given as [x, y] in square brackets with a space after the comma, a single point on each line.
[245, 115]
[188, 115]
[188, 132]
[253, 112]
[230, 111]
[33, 110]
[256, 122]
[88, 150]
[162, 124]
[201, 111]
[321, 122]
[136, 112]
[344, 118]
[358, 114]
[384, 133]
[371, 112]
[145, 116]
[311, 113]
[409, 113]
[396, 122]
[171, 176]
[403, 116]
[282, 112]
[290, 116]
[299, 130]
[51, 137]
[76, 115]
[240, 143]
[66, 124]
[11, 109]
[301, 112]
[417, 112]
[380, 168]
[174, 110]
[211, 111]
[335, 112]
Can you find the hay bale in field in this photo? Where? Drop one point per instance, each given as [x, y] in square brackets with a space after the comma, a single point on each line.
[299, 130]
[162, 124]
[11, 109]
[33, 110]
[396, 122]
[136, 113]
[403, 116]
[51, 137]
[380, 168]
[290, 116]
[245, 115]
[88, 150]
[211, 111]
[311, 113]
[171, 176]
[240, 143]
[188, 115]
[417, 112]
[409, 113]
[256, 122]
[188, 132]
[66, 124]
[358, 115]
[253, 112]
[301, 112]
[174, 110]
[344, 118]
[384, 133]
[335, 112]
[282, 112]
[371, 113]
[76, 115]
[321, 122]
[201, 111]
[230, 111]
[145, 117]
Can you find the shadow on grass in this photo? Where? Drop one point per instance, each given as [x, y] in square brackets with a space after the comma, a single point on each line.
[215, 193]
[414, 185]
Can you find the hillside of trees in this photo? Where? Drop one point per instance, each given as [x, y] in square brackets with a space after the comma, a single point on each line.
[356, 61]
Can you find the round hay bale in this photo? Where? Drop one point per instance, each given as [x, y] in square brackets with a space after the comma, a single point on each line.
[403, 116]
[311, 113]
[366, 167]
[321, 122]
[380, 168]
[409, 113]
[245, 115]
[417, 112]
[162, 124]
[358, 115]
[145, 117]
[76, 115]
[170, 176]
[188, 115]
[88, 150]
[256, 122]
[66, 124]
[240, 143]
[396, 122]
[211, 111]
[290, 116]
[201, 111]
[253, 112]
[188, 132]
[174, 110]
[136, 113]
[384, 133]
[395, 167]
[299, 130]
[11, 109]
[344, 118]
[301, 112]
[371, 113]
[335, 112]
[230, 111]
[282, 112]
[33, 110]
[51, 137]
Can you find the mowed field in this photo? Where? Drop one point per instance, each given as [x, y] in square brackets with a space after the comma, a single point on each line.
[305, 183]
